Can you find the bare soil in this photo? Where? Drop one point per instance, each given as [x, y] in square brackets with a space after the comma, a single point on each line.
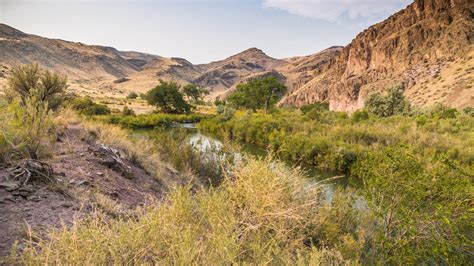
[82, 172]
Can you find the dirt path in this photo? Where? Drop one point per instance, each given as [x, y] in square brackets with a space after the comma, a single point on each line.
[85, 169]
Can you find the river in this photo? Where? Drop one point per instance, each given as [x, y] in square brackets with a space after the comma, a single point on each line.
[207, 144]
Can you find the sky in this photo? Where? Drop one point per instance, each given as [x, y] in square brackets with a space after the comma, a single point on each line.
[200, 31]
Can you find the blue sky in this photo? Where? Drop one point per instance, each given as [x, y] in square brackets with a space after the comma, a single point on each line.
[200, 30]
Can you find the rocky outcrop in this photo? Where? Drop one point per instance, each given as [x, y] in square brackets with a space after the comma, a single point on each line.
[411, 47]
[222, 75]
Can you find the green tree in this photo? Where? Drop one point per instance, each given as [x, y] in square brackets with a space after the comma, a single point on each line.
[258, 93]
[29, 80]
[194, 93]
[168, 98]
[387, 105]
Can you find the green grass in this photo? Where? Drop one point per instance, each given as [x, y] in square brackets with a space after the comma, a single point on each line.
[334, 141]
[152, 120]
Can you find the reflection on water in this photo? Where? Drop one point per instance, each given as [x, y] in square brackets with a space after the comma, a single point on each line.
[330, 181]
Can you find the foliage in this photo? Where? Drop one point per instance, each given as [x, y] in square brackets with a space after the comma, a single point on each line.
[85, 106]
[258, 93]
[469, 111]
[360, 115]
[27, 129]
[27, 80]
[319, 106]
[259, 216]
[218, 101]
[335, 142]
[442, 111]
[168, 98]
[225, 112]
[392, 104]
[132, 95]
[194, 93]
[152, 120]
[422, 206]
[128, 111]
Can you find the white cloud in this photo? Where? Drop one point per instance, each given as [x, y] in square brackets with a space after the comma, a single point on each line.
[331, 10]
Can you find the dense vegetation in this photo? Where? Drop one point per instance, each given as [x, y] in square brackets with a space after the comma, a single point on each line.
[171, 98]
[417, 170]
[255, 94]
[152, 120]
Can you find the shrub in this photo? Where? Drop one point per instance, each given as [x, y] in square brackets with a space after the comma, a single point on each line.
[226, 113]
[29, 79]
[422, 207]
[320, 106]
[391, 104]
[259, 216]
[360, 115]
[28, 130]
[128, 111]
[421, 120]
[132, 95]
[469, 111]
[442, 111]
[86, 106]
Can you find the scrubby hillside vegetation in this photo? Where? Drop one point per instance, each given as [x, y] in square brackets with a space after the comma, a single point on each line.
[130, 198]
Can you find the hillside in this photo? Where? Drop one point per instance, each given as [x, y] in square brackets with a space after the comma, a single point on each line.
[427, 48]
[105, 71]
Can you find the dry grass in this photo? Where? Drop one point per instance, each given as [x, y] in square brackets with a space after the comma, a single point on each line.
[142, 152]
[263, 214]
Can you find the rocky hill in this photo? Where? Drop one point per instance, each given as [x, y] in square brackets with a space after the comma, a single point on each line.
[427, 48]
[222, 75]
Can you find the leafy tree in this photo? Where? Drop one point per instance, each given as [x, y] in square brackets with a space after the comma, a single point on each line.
[258, 93]
[29, 80]
[168, 98]
[194, 93]
[392, 104]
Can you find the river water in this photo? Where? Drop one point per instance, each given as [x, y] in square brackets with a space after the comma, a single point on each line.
[209, 144]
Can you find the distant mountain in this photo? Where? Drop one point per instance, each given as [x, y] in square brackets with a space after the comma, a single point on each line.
[99, 70]
[85, 65]
[221, 75]
[427, 48]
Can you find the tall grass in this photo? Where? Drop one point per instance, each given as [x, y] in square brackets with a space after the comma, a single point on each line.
[264, 213]
[143, 152]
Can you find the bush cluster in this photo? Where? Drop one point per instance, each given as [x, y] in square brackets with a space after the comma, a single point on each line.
[86, 106]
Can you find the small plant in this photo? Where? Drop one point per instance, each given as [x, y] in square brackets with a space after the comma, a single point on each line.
[128, 111]
[132, 95]
[360, 115]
